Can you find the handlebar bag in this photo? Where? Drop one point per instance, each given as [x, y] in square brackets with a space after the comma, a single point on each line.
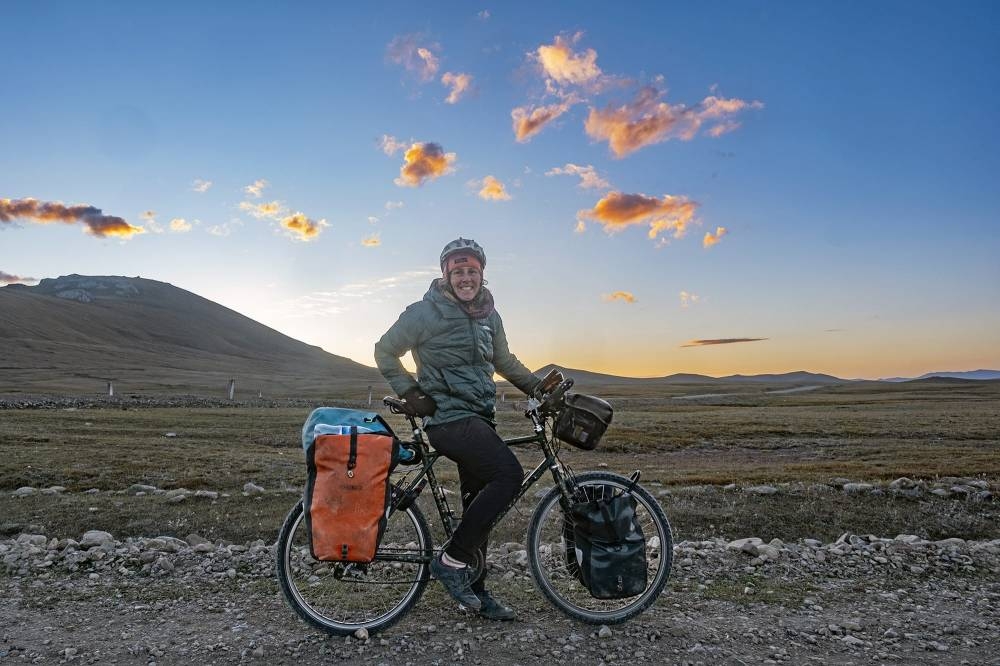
[610, 547]
[583, 420]
[348, 492]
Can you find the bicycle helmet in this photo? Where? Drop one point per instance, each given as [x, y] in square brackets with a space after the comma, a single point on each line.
[463, 245]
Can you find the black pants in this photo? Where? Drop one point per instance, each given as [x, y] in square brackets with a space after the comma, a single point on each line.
[490, 477]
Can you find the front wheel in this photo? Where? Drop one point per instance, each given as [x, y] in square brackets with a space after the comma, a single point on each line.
[553, 564]
[341, 598]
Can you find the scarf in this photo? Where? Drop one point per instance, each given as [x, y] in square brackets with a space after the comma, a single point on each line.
[479, 307]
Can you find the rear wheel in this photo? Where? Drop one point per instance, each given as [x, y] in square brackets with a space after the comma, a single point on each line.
[341, 598]
[553, 560]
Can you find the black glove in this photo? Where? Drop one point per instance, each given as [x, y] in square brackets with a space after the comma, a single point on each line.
[422, 404]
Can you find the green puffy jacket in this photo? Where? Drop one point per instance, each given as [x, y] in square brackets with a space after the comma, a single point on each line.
[456, 357]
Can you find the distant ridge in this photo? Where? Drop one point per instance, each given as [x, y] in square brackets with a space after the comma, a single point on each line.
[74, 333]
[799, 377]
[978, 375]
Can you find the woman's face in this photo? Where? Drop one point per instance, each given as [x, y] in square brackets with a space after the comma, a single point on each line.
[465, 282]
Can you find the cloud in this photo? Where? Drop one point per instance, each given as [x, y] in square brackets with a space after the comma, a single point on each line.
[372, 219]
[492, 189]
[300, 227]
[483, 15]
[393, 205]
[420, 60]
[223, 230]
[588, 176]
[256, 188]
[616, 211]
[371, 241]
[95, 222]
[459, 84]
[565, 67]
[720, 341]
[529, 121]
[711, 239]
[200, 185]
[623, 296]
[646, 120]
[423, 162]
[7, 278]
[179, 225]
[688, 299]
[390, 145]
[268, 210]
[150, 223]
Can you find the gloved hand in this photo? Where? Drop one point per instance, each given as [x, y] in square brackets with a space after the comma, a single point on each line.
[421, 403]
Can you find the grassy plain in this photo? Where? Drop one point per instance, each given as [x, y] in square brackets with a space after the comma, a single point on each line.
[687, 447]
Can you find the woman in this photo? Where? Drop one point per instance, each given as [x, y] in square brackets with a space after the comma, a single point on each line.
[458, 342]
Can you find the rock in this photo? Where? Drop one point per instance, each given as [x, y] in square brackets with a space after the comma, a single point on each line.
[53, 490]
[94, 538]
[206, 547]
[748, 545]
[207, 494]
[762, 490]
[812, 543]
[604, 631]
[902, 483]
[32, 539]
[140, 488]
[361, 634]
[839, 482]
[24, 491]
[730, 486]
[853, 641]
[175, 492]
[941, 492]
[170, 434]
[196, 539]
[252, 488]
[857, 487]
[768, 552]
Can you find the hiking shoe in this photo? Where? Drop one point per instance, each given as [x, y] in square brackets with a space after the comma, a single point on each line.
[457, 582]
[494, 610]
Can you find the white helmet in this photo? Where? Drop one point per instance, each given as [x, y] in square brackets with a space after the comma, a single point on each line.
[463, 245]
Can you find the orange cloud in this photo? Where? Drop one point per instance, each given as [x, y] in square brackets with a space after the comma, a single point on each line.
[423, 162]
[94, 221]
[646, 120]
[711, 239]
[256, 188]
[420, 60]
[588, 176]
[623, 296]
[617, 211]
[7, 278]
[272, 209]
[301, 227]
[562, 65]
[493, 190]
[720, 341]
[371, 241]
[529, 121]
[459, 84]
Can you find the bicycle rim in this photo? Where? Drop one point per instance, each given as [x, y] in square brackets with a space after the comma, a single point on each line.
[553, 563]
[342, 598]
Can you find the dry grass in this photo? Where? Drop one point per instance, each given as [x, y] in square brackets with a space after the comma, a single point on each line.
[865, 432]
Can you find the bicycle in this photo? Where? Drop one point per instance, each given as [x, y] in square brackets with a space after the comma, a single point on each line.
[341, 598]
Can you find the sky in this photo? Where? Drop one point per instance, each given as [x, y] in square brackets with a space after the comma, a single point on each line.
[719, 188]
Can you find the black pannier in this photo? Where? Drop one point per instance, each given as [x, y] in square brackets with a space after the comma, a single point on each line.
[583, 420]
[609, 548]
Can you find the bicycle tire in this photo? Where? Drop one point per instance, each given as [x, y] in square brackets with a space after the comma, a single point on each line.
[339, 599]
[552, 571]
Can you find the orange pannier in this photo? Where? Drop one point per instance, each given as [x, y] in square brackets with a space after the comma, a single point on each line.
[347, 493]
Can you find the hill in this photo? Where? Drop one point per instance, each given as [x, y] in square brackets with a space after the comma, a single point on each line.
[75, 333]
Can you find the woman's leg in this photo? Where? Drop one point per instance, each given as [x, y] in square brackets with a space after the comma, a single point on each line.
[490, 475]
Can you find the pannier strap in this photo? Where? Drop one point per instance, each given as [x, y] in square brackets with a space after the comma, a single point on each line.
[352, 460]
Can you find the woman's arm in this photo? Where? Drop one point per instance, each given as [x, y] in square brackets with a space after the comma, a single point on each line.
[401, 337]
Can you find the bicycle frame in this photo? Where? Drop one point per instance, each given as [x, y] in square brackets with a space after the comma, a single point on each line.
[404, 496]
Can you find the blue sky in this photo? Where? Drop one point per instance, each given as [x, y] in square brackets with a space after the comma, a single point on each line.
[853, 171]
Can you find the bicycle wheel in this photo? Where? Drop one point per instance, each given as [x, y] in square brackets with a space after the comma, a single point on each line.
[342, 598]
[553, 564]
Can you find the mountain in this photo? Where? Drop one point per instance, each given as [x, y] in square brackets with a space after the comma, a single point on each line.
[75, 333]
[978, 375]
[587, 377]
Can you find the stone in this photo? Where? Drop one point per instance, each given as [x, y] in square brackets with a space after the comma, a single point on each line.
[136, 488]
[207, 494]
[32, 539]
[196, 539]
[902, 483]
[24, 491]
[762, 490]
[252, 488]
[53, 490]
[857, 487]
[604, 631]
[748, 545]
[94, 538]
[941, 492]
